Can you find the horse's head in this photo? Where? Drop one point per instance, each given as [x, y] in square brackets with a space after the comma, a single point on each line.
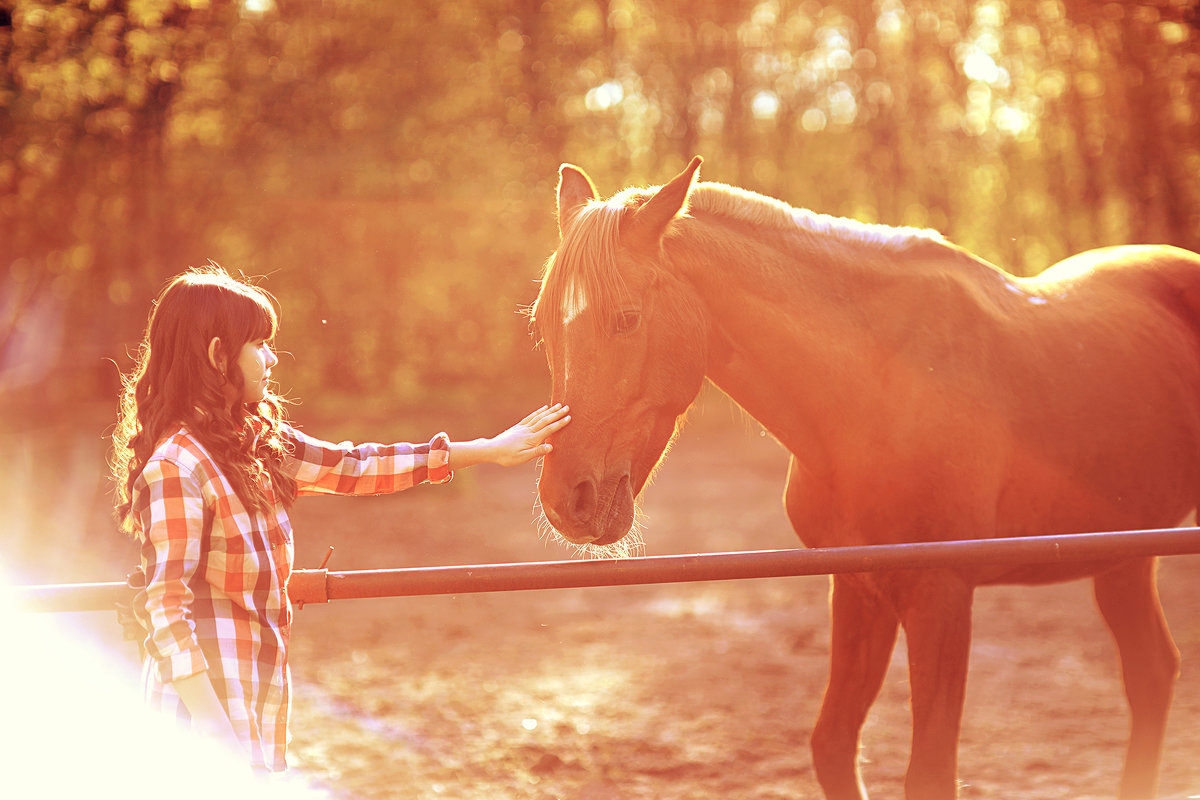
[625, 339]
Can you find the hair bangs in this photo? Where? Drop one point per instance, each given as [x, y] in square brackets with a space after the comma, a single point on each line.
[241, 312]
[264, 323]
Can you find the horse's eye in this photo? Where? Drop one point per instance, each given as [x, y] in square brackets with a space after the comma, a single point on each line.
[626, 321]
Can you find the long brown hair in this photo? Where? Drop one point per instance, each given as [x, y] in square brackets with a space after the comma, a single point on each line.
[173, 384]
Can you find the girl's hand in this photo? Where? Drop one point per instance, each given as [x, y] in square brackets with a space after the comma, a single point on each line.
[526, 440]
[522, 442]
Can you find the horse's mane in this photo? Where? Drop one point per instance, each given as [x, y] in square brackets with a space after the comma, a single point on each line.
[580, 272]
[762, 211]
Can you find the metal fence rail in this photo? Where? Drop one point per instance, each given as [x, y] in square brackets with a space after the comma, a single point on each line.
[321, 586]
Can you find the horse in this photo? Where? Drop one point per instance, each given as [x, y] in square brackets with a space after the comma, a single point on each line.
[922, 394]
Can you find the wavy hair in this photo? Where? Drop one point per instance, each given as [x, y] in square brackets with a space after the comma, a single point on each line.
[174, 385]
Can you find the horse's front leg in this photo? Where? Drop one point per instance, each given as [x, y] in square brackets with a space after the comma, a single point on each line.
[935, 610]
[1128, 600]
[863, 633]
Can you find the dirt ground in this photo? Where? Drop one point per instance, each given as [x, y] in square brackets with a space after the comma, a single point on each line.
[679, 690]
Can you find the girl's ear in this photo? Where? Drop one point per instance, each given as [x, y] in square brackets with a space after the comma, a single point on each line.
[215, 357]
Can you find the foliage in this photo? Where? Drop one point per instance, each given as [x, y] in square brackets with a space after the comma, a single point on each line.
[390, 166]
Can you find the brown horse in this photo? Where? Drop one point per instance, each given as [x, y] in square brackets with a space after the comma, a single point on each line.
[923, 394]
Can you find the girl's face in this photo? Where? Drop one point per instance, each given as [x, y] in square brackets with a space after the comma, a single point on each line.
[255, 361]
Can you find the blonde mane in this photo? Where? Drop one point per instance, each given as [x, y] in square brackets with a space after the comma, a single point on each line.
[762, 211]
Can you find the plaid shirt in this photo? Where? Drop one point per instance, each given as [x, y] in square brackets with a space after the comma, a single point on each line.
[216, 573]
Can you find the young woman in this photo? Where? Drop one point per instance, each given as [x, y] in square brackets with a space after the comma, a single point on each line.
[207, 467]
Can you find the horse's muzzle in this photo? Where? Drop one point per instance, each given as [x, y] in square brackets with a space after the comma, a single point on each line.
[590, 511]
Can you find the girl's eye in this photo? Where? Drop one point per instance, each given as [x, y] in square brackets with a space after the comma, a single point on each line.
[626, 321]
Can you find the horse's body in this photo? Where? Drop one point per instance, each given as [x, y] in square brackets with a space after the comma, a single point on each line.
[923, 395]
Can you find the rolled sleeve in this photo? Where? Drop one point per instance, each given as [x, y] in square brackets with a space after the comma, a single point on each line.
[439, 459]
[183, 664]
[170, 508]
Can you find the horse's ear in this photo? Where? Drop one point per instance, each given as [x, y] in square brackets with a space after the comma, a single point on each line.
[575, 189]
[650, 221]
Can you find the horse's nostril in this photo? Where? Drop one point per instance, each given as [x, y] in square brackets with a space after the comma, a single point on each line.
[583, 500]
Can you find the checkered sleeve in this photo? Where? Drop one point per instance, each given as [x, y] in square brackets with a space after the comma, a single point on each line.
[322, 467]
[170, 508]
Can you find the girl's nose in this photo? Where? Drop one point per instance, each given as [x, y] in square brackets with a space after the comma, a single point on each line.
[272, 359]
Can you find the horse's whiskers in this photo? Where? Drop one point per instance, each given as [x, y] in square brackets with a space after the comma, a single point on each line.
[630, 545]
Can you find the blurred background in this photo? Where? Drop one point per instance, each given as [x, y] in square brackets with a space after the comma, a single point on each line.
[389, 167]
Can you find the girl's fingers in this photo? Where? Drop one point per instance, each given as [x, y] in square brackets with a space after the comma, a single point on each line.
[554, 414]
[529, 419]
[546, 415]
[531, 442]
[549, 427]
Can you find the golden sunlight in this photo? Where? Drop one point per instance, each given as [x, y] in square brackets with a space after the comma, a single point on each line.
[77, 724]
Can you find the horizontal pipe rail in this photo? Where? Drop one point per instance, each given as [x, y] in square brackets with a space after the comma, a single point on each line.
[320, 586]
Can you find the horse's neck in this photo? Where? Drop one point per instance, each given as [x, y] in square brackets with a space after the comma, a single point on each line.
[796, 329]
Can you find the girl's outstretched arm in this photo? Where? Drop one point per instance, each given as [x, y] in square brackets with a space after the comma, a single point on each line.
[522, 442]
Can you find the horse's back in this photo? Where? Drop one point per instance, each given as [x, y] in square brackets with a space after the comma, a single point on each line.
[1132, 267]
[1106, 415]
[1071, 406]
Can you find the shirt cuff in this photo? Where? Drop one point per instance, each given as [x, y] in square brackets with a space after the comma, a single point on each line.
[439, 459]
[183, 664]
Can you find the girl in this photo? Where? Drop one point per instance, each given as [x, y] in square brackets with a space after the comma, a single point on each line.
[207, 466]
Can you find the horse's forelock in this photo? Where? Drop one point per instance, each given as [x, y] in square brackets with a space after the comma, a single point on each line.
[582, 273]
